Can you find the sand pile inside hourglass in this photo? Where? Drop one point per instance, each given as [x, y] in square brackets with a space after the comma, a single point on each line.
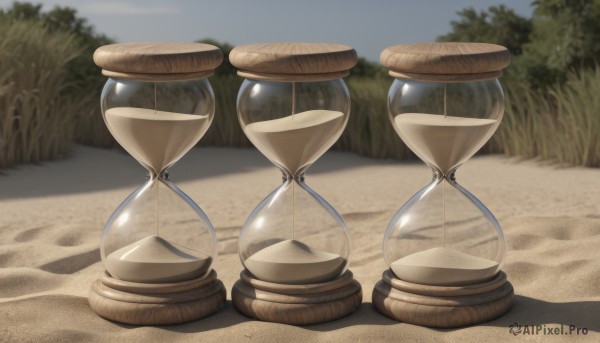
[293, 142]
[293, 262]
[443, 267]
[157, 139]
[154, 259]
[445, 142]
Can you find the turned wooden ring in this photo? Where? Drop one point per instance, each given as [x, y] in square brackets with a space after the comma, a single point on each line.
[293, 77]
[296, 304]
[440, 291]
[308, 298]
[156, 298]
[157, 77]
[445, 78]
[343, 280]
[134, 287]
[466, 300]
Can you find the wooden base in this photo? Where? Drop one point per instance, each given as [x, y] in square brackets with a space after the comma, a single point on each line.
[156, 304]
[296, 304]
[442, 307]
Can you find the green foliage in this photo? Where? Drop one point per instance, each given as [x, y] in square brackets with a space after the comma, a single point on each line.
[499, 25]
[561, 125]
[82, 71]
[49, 86]
[552, 84]
[37, 116]
[225, 129]
[365, 69]
[562, 35]
[369, 131]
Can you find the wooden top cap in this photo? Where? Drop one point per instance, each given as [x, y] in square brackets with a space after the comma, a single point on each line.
[446, 62]
[293, 61]
[158, 61]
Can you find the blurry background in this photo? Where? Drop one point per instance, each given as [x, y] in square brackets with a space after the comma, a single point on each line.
[49, 85]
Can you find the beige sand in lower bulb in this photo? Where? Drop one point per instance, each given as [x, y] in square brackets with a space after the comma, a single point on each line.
[296, 140]
[293, 262]
[155, 138]
[443, 267]
[156, 260]
[444, 141]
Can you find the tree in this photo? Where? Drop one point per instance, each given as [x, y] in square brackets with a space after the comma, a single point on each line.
[498, 25]
[566, 33]
[562, 35]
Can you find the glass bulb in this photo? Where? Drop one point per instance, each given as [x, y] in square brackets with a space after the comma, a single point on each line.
[158, 234]
[294, 236]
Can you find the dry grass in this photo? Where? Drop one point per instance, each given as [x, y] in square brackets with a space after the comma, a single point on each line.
[41, 117]
[37, 119]
[561, 125]
[369, 131]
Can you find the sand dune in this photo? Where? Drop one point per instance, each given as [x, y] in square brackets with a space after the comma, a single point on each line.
[51, 217]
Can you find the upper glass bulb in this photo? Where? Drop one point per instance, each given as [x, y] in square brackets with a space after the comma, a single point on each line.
[445, 123]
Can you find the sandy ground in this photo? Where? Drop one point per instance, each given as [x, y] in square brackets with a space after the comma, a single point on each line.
[51, 217]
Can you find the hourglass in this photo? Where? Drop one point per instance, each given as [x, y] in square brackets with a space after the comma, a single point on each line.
[293, 106]
[158, 247]
[444, 248]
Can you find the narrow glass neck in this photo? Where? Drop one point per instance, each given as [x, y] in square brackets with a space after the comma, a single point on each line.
[438, 175]
[287, 177]
[152, 175]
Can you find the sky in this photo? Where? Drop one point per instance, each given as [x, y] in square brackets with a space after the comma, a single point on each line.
[369, 25]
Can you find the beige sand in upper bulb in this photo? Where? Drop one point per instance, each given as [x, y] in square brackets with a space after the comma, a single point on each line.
[443, 141]
[156, 260]
[155, 138]
[443, 267]
[293, 262]
[296, 140]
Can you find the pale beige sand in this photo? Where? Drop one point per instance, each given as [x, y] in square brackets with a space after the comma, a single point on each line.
[443, 267]
[155, 138]
[444, 141]
[155, 260]
[293, 262]
[297, 140]
[51, 217]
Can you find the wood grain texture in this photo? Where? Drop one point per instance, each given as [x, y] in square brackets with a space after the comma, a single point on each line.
[422, 60]
[414, 288]
[158, 60]
[296, 304]
[480, 303]
[342, 281]
[156, 304]
[446, 77]
[288, 61]
[157, 77]
[292, 77]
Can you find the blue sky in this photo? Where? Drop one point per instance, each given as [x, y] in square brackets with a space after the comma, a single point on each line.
[368, 26]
